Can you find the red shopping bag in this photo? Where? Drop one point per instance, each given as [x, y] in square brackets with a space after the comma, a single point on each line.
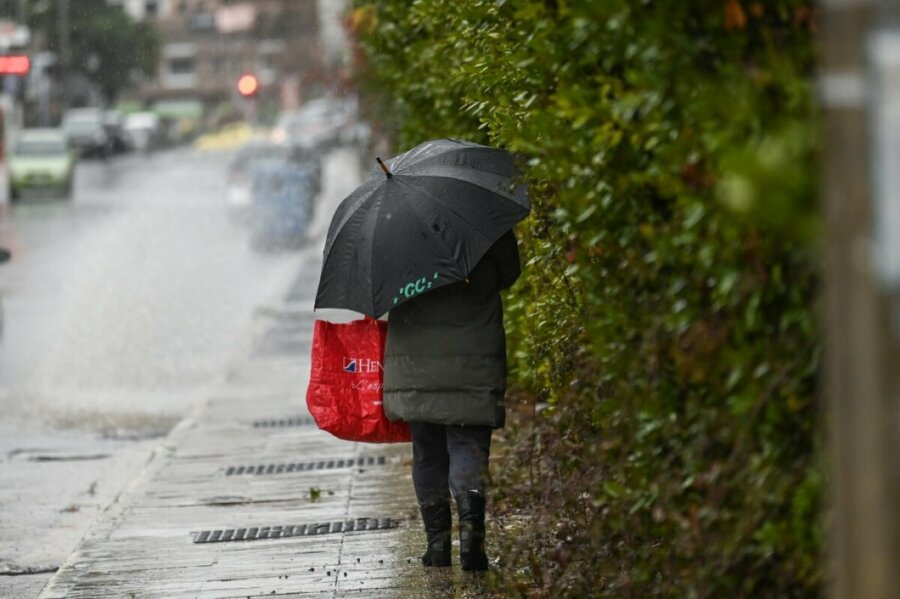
[344, 393]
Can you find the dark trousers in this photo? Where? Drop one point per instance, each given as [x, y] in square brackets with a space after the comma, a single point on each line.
[449, 459]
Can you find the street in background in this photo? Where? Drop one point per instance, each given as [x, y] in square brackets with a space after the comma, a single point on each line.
[129, 300]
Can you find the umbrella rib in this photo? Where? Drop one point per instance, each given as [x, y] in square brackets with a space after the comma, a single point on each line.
[504, 166]
[376, 213]
[447, 250]
[437, 200]
[327, 257]
[414, 153]
[359, 197]
[504, 195]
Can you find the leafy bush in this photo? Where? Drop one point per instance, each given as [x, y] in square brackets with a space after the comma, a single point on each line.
[666, 313]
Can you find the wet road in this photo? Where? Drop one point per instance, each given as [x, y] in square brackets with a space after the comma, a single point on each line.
[140, 283]
[123, 307]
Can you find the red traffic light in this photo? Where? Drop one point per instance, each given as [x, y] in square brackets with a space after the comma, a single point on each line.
[248, 85]
[15, 64]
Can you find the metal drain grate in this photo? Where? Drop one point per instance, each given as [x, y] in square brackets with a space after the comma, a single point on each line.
[282, 422]
[306, 466]
[299, 530]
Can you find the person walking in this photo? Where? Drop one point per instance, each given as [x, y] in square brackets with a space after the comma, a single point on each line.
[445, 374]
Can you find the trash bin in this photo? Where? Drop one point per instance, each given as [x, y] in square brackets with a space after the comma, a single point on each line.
[282, 204]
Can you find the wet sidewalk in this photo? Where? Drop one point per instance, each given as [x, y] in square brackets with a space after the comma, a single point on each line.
[247, 498]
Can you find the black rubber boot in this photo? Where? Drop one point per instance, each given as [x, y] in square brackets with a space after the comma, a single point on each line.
[436, 518]
[471, 532]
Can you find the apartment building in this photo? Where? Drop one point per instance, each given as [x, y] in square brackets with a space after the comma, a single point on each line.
[209, 44]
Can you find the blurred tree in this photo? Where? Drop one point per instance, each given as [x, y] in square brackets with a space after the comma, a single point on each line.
[107, 46]
[9, 9]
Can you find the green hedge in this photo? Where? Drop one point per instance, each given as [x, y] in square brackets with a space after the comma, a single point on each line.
[666, 312]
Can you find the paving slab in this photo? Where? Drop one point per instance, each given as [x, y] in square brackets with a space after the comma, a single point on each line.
[144, 544]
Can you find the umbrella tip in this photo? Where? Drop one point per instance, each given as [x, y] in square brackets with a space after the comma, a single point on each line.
[384, 167]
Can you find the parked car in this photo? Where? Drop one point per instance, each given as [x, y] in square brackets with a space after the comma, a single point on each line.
[350, 130]
[322, 123]
[41, 160]
[314, 126]
[87, 132]
[143, 130]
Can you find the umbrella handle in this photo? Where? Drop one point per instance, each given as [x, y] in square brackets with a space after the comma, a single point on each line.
[384, 167]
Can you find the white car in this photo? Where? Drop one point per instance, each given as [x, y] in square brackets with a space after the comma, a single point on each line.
[143, 130]
[317, 124]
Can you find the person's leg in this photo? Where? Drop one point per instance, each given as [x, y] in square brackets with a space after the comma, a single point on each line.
[431, 462]
[430, 480]
[469, 448]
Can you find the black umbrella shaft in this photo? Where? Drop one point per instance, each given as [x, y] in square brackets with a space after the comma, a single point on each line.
[384, 167]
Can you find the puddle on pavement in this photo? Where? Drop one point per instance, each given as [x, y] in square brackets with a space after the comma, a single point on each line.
[126, 426]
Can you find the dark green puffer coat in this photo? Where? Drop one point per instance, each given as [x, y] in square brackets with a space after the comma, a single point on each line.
[445, 355]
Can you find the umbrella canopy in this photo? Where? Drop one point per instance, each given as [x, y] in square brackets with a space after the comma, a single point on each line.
[423, 221]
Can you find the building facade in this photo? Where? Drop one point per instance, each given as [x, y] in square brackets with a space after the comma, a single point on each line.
[209, 44]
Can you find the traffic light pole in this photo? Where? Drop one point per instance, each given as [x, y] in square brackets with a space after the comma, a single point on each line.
[248, 108]
[248, 90]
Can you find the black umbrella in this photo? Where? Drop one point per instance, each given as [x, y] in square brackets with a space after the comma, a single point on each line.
[422, 221]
